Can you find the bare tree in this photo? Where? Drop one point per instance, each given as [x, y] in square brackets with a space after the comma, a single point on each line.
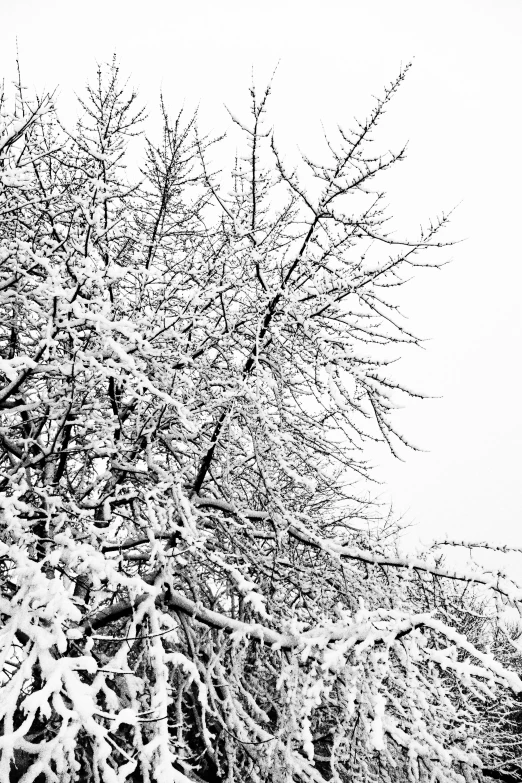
[193, 581]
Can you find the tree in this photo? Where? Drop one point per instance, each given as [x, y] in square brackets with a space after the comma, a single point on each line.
[194, 585]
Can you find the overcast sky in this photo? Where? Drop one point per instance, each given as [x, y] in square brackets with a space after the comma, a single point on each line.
[460, 109]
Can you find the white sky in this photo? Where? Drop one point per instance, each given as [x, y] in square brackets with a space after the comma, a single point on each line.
[461, 110]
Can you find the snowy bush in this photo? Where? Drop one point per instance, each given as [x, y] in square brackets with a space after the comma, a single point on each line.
[196, 583]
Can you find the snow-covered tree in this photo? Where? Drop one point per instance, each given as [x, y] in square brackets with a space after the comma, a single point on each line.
[197, 583]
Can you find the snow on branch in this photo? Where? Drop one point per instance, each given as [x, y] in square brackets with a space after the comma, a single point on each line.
[196, 580]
